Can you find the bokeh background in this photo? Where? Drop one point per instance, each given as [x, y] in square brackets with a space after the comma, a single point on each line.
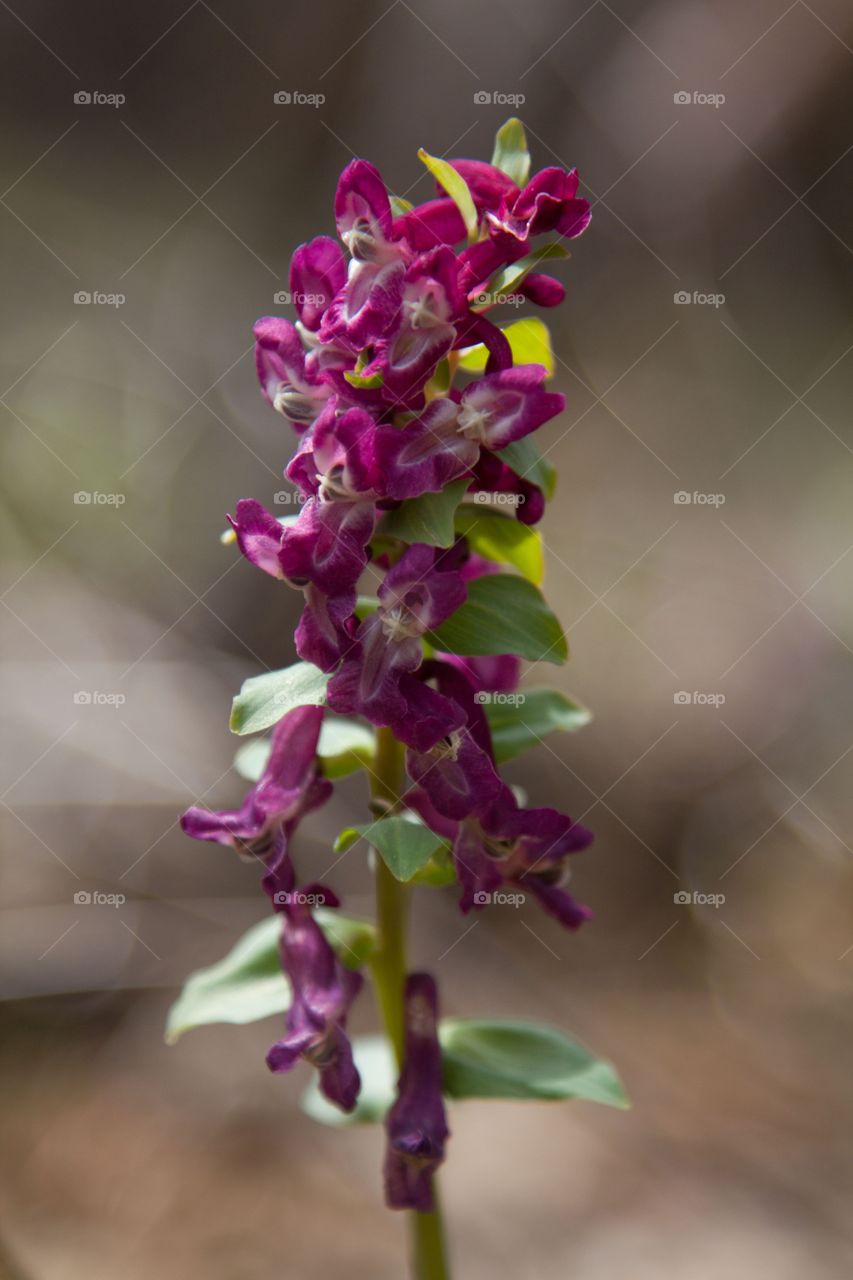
[730, 1023]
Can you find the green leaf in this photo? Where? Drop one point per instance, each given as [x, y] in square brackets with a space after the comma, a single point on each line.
[527, 462]
[264, 699]
[503, 614]
[510, 154]
[246, 985]
[456, 187]
[505, 281]
[509, 1059]
[518, 725]
[399, 206]
[428, 518]
[503, 539]
[353, 941]
[378, 1071]
[530, 343]
[482, 1059]
[404, 845]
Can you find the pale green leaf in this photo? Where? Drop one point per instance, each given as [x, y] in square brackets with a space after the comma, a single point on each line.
[510, 154]
[521, 720]
[264, 699]
[503, 614]
[456, 187]
[428, 518]
[503, 539]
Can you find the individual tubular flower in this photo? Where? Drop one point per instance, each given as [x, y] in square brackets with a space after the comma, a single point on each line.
[445, 441]
[416, 1124]
[287, 382]
[317, 273]
[289, 787]
[526, 848]
[457, 773]
[322, 992]
[375, 679]
[322, 633]
[363, 214]
[336, 469]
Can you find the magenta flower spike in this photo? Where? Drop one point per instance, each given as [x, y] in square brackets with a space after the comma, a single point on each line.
[417, 487]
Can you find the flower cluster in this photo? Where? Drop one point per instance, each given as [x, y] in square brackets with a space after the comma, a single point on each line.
[368, 376]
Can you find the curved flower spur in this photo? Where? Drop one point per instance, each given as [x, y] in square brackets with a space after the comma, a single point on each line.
[414, 411]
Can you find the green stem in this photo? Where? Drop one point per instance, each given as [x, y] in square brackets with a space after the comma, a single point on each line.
[388, 965]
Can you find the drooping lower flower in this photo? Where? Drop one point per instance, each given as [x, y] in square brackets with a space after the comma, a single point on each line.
[376, 678]
[289, 787]
[322, 991]
[416, 1124]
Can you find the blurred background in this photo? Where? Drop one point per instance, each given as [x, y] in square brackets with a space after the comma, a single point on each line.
[699, 554]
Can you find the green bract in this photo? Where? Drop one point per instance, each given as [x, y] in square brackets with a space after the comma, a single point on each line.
[263, 700]
[503, 614]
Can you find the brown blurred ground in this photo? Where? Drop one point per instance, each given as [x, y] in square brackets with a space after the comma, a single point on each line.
[730, 1024]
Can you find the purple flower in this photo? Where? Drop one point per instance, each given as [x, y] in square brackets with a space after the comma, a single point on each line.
[458, 772]
[416, 1124]
[367, 307]
[494, 476]
[363, 214]
[322, 992]
[334, 469]
[434, 223]
[317, 273]
[427, 454]
[287, 383]
[524, 848]
[322, 634]
[289, 787]
[505, 406]
[375, 679]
